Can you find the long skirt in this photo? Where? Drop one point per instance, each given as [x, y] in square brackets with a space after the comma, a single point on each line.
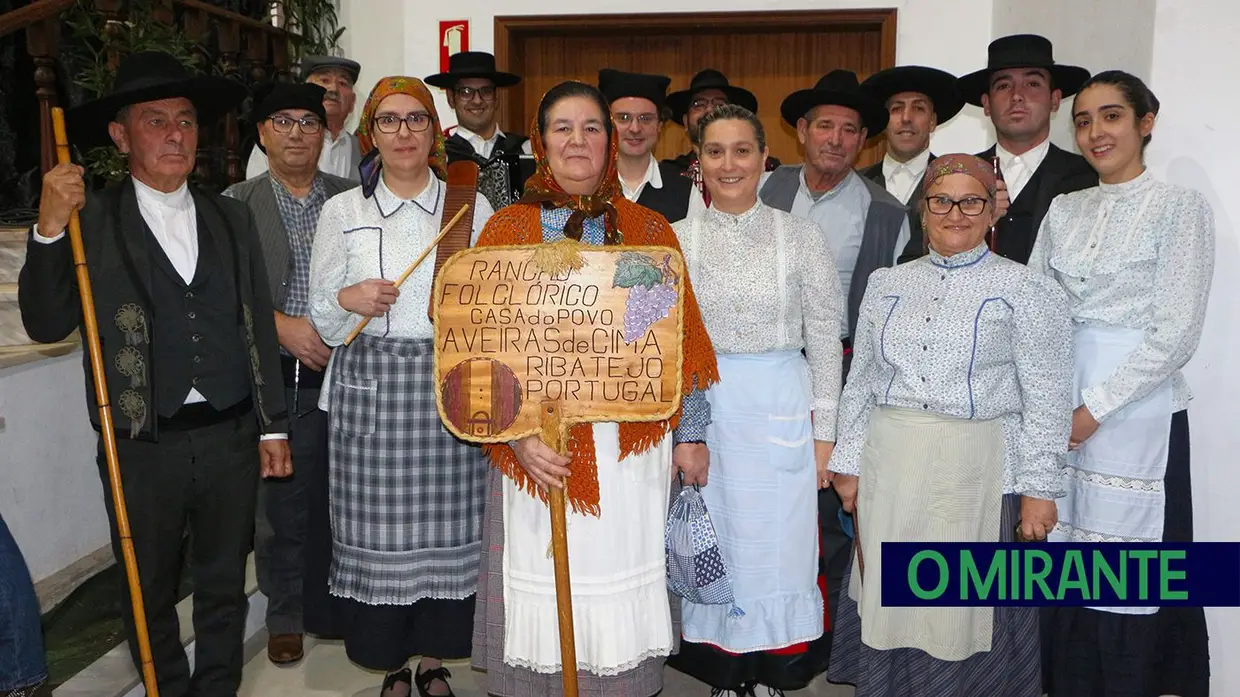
[1091, 653]
[406, 508]
[762, 496]
[1009, 669]
[643, 679]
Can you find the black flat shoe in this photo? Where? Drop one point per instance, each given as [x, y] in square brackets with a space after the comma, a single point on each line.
[423, 681]
[405, 676]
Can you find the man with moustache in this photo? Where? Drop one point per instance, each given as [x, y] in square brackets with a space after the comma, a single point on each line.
[504, 160]
[341, 153]
[190, 353]
[707, 90]
[917, 99]
[638, 105]
[1020, 89]
[865, 227]
[292, 542]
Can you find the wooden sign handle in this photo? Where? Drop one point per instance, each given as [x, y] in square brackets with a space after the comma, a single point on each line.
[410, 269]
[559, 551]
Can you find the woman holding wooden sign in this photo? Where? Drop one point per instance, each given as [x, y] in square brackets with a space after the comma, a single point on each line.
[769, 290]
[406, 496]
[618, 477]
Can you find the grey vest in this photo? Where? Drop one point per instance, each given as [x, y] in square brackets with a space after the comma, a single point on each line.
[883, 220]
[256, 193]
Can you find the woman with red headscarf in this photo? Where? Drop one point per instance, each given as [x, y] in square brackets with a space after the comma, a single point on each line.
[621, 474]
[406, 496]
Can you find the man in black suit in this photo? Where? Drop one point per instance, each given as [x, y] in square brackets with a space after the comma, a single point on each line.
[1020, 89]
[917, 99]
[292, 544]
[638, 107]
[189, 348]
[504, 160]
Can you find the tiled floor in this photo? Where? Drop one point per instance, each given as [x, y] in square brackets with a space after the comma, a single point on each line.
[326, 671]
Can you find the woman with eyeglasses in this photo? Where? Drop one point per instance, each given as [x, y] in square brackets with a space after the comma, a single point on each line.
[951, 429]
[406, 496]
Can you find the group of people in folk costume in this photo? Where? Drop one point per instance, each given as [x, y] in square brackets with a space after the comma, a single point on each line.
[930, 349]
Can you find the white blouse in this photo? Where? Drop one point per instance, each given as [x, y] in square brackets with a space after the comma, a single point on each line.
[361, 238]
[1138, 255]
[760, 292]
[972, 336]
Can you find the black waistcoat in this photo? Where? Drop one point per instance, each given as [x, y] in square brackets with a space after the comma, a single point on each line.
[200, 342]
[501, 179]
[671, 201]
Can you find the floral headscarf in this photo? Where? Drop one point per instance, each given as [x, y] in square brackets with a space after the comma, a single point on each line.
[959, 163]
[371, 164]
[543, 188]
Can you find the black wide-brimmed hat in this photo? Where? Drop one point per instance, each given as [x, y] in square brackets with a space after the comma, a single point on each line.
[938, 85]
[617, 84]
[272, 97]
[1021, 51]
[472, 64]
[840, 88]
[150, 76]
[313, 64]
[709, 79]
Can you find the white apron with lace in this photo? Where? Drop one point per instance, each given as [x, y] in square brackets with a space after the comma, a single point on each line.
[617, 565]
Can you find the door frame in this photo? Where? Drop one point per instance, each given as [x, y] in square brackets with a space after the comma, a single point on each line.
[510, 30]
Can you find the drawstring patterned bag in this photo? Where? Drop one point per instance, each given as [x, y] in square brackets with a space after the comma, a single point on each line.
[696, 570]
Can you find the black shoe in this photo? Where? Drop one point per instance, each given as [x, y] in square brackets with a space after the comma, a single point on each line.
[423, 681]
[405, 676]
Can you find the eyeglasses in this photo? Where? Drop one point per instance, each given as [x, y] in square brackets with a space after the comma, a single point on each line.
[284, 124]
[390, 123]
[699, 104]
[625, 118]
[943, 205]
[466, 94]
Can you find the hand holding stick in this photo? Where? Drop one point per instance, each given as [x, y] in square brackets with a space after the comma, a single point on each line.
[409, 271]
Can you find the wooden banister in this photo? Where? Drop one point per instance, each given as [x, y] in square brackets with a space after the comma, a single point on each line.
[35, 12]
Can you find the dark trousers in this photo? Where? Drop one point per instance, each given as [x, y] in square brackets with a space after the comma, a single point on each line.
[204, 481]
[283, 517]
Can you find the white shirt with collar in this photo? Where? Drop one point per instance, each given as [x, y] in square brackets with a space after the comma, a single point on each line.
[653, 177]
[901, 177]
[336, 157]
[173, 221]
[1019, 169]
[485, 146]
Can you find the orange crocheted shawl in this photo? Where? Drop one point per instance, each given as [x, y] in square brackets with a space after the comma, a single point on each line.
[521, 223]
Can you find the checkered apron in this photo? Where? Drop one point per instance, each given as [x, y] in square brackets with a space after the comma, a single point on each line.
[406, 495]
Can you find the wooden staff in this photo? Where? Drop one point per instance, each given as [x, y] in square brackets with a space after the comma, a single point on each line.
[559, 552]
[408, 271]
[105, 419]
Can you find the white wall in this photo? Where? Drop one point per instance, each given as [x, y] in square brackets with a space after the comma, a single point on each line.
[1195, 55]
[50, 494]
[375, 36]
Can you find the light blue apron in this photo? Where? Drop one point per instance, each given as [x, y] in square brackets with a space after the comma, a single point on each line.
[763, 499]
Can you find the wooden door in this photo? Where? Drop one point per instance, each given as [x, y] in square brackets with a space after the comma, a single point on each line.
[772, 54]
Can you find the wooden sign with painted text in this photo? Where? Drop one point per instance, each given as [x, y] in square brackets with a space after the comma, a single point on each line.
[597, 330]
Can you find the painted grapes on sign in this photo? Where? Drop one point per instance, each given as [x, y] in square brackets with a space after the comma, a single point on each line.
[652, 291]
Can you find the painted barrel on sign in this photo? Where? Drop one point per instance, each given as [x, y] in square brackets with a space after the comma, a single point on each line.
[481, 397]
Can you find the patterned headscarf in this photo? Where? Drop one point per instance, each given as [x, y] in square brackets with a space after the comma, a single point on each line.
[543, 188]
[371, 164]
[959, 163]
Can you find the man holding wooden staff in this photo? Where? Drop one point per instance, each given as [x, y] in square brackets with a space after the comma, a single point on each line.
[189, 344]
